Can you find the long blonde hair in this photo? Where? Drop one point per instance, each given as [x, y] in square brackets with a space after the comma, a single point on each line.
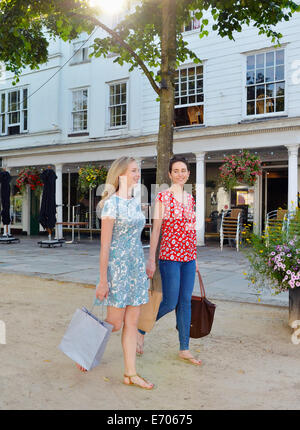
[118, 168]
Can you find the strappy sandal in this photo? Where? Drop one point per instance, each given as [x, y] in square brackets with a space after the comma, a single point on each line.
[137, 385]
[189, 360]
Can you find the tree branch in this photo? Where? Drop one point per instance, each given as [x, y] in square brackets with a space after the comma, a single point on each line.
[124, 45]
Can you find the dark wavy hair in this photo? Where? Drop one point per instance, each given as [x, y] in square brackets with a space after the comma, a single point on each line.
[176, 159]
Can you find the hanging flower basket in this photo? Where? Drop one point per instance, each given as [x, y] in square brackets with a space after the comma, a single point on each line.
[240, 169]
[91, 177]
[29, 176]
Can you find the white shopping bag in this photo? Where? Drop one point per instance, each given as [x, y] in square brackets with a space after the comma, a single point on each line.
[85, 339]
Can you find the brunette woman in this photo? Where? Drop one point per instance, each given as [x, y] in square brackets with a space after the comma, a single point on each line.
[174, 214]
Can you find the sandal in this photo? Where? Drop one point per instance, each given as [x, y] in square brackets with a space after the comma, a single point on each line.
[190, 360]
[137, 385]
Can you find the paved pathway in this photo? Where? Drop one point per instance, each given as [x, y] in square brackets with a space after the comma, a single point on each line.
[222, 272]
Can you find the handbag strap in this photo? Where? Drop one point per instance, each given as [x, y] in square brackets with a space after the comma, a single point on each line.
[201, 285]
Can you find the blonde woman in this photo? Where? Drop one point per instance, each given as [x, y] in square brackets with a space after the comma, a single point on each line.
[123, 280]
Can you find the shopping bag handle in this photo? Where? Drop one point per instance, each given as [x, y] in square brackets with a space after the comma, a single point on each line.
[98, 302]
[201, 285]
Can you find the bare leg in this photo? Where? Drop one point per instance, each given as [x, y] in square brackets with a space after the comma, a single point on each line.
[140, 343]
[129, 344]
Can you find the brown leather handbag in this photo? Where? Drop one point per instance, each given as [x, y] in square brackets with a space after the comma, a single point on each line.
[203, 312]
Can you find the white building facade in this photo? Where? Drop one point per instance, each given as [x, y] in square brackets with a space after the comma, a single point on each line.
[245, 95]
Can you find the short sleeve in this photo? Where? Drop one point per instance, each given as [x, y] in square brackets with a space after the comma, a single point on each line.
[159, 197]
[109, 209]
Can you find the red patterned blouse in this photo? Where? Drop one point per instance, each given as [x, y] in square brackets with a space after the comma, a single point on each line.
[178, 241]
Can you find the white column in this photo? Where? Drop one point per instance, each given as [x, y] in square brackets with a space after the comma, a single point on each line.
[59, 211]
[293, 177]
[257, 206]
[200, 197]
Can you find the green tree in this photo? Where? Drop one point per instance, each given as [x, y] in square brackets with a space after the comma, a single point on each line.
[149, 38]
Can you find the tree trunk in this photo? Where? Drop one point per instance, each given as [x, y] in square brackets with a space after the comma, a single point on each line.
[165, 135]
[294, 305]
[168, 65]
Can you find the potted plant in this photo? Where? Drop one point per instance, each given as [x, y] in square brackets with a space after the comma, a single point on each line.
[29, 176]
[274, 261]
[91, 177]
[240, 169]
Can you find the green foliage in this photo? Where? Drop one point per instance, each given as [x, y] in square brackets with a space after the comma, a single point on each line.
[274, 257]
[91, 177]
[27, 25]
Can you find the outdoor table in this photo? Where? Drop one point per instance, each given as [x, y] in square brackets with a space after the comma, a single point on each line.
[73, 224]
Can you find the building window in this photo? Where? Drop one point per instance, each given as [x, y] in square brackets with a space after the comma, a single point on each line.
[80, 110]
[189, 96]
[118, 104]
[80, 53]
[14, 112]
[193, 24]
[265, 83]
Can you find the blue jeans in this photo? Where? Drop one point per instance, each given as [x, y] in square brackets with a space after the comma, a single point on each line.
[177, 287]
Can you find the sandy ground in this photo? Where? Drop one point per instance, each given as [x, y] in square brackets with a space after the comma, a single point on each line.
[249, 361]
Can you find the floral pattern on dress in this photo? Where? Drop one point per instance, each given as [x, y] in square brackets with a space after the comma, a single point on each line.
[126, 273]
[179, 242]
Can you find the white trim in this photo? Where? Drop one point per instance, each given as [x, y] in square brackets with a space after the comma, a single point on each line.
[187, 66]
[265, 49]
[86, 130]
[21, 110]
[109, 127]
[244, 83]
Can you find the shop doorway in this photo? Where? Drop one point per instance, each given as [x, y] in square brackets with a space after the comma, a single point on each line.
[274, 190]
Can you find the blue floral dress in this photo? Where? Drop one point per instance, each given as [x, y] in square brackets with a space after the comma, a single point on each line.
[126, 274]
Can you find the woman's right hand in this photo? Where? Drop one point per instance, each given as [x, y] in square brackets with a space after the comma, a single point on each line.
[150, 269]
[102, 290]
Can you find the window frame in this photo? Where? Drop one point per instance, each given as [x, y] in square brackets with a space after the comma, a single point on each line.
[85, 48]
[245, 86]
[187, 66]
[192, 20]
[74, 90]
[109, 85]
[21, 111]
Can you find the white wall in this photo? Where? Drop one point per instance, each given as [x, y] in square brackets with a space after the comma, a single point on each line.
[224, 68]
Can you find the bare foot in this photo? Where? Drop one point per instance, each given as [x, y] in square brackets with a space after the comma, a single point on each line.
[82, 369]
[188, 358]
[140, 343]
[138, 381]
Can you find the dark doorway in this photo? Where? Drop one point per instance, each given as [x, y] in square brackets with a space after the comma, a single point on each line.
[274, 190]
[148, 179]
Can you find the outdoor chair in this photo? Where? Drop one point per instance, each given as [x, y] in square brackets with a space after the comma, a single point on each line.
[281, 221]
[231, 227]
